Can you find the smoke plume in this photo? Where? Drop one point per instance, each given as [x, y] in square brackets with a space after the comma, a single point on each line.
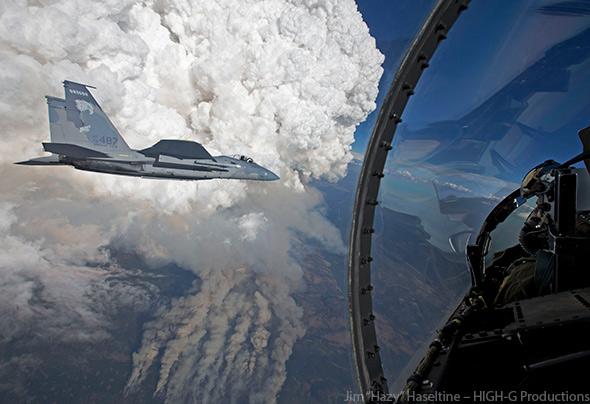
[285, 82]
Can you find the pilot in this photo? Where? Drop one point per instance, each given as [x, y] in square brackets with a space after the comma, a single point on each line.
[532, 276]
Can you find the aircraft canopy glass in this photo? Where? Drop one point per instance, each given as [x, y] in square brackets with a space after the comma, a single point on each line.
[508, 89]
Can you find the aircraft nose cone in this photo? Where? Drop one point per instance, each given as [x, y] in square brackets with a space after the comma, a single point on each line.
[270, 176]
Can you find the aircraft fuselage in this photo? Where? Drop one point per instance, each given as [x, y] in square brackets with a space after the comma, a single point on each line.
[83, 136]
[223, 167]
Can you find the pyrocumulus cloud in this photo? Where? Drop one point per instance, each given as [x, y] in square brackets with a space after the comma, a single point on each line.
[285, 82]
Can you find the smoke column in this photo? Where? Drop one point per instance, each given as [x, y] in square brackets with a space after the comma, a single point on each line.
[285, 82]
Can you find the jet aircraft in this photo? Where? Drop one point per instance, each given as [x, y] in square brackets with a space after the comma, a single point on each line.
[82, 136]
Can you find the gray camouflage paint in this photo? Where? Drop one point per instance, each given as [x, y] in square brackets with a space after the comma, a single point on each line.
[82, 136]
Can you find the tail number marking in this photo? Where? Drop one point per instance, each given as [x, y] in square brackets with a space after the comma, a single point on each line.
[105, 140]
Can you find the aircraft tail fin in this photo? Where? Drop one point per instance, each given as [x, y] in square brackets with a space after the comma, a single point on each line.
[79, 120]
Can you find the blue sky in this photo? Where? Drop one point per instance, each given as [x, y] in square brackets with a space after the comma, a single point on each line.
[490, 44]
[393, 24]
[494, 52]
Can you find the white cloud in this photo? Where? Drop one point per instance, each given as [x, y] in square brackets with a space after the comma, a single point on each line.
[285, 82]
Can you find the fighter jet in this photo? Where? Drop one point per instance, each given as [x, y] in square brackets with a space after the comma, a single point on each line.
[82, 136]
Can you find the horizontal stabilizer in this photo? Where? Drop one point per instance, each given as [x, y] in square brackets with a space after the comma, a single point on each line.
[72, 150]
[42, 161]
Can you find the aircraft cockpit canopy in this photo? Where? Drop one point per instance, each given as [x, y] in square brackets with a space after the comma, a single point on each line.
[484, 113]
[244, 158]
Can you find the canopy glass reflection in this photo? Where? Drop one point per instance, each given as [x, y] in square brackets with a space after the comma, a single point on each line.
[508, 89]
